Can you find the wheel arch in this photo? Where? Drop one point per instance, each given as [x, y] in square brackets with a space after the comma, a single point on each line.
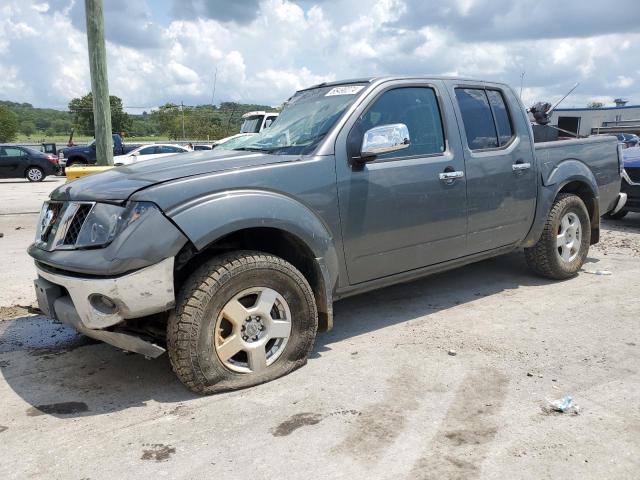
[267, 222]
[75, 158]
[575, 178]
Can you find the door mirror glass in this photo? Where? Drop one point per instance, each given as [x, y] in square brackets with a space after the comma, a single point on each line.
[385, 139]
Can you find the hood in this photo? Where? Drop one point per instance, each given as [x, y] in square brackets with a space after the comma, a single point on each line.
[119, 183]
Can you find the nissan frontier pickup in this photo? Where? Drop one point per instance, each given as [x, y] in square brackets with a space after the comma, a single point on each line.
[231, 260]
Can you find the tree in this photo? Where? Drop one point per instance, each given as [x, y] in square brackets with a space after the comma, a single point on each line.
[167, 119]
[595, 105]
[8, 125]
[28, 128]
[82, 112]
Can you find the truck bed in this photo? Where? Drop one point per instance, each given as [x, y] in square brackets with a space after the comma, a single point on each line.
[598, 155]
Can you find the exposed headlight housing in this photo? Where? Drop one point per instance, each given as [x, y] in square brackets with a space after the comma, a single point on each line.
[71, 225]
[105, 222]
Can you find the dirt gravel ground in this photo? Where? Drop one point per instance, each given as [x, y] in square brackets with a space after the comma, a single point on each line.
[381, 396]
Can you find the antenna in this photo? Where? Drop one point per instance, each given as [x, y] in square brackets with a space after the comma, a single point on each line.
[548, 112]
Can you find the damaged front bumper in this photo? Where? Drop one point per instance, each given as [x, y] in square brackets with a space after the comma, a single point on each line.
[93, 304]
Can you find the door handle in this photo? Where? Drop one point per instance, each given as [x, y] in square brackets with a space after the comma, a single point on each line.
[520, 166]
[451, 175]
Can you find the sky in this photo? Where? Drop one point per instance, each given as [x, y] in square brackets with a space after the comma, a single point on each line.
[264, 50]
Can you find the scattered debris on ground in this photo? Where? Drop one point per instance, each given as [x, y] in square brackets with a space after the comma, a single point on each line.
[598, 272]
[561, 405]
[16, 311]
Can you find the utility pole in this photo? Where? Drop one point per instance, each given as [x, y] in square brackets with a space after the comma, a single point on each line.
[182, 108]
[521, 83]
[215, 79]
[99, 82]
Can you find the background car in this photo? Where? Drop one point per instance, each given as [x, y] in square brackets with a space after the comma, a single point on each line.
[25, 162]
[628, 139]
[202, 147]
[148, 152]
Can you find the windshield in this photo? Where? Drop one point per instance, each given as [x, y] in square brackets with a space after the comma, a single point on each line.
[305, 120]
[251, 125]
[234, 142]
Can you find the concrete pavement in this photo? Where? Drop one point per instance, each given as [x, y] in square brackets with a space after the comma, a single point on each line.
[380, 397]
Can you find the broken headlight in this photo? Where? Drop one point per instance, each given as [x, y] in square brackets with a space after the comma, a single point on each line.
[105, 222]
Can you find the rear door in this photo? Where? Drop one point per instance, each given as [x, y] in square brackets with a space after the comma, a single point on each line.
[12, 162]
[500, 168]
[397, 213]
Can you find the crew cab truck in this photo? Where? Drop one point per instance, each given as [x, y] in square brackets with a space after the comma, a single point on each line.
[86, 154]
[232, 260]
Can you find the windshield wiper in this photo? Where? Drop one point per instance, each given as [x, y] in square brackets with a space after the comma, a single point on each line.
[253, 149]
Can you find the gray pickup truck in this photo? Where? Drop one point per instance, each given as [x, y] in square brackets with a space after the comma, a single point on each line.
[232, 260]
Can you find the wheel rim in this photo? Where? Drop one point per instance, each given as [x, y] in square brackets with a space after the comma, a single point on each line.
[34, 174]
[569, 239]
[252, 330]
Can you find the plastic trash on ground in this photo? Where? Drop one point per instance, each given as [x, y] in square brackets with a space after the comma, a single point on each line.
[562, 405]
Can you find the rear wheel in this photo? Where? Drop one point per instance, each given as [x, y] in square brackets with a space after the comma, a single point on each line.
[564, 244]
[241, 319]
[35, 174]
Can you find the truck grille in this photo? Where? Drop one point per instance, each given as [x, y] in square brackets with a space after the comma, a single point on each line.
[75, 226]
[634, 174]
[60, 224]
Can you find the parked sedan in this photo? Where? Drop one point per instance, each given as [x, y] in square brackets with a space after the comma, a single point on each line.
[25, 162]
[148, 152]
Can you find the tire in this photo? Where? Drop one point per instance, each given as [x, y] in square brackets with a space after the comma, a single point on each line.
[555, 256]
[75, 161]
[34, 174]
[617, 215]
[207, 326]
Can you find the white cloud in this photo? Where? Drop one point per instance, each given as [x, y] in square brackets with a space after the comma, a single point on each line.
[264, 57]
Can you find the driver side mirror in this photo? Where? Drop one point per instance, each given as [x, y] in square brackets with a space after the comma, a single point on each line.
[384, 139]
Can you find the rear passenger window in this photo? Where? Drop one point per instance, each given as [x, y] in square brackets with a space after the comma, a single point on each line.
[477, 118]
[417, 108]
[501, 114]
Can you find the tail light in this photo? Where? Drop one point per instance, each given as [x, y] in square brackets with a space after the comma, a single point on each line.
[53, 159]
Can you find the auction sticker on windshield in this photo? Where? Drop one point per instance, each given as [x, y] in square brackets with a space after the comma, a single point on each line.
[345, 90]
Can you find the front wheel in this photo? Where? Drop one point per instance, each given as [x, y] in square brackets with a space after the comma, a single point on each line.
[241, 319]
[564, 244]
[35, 174]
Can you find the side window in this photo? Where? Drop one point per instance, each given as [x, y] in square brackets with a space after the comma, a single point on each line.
[12, 152]
[417, 108]
[148, 151]
[169, 149]
[501, 114]
[477, 118]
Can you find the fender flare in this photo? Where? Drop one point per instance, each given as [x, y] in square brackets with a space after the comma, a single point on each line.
[570, 170]
[206, 219]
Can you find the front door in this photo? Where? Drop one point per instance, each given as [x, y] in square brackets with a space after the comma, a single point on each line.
[500, 167]
[397, 214]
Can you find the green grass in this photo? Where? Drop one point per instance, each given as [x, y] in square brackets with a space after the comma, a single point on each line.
[63, 139]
